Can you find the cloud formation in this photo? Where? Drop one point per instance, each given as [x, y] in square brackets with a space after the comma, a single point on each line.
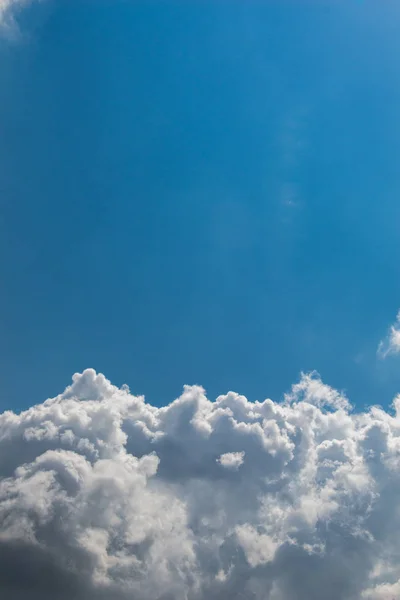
[105, 496]
[6, 7]
[391, 344]
[8, 11]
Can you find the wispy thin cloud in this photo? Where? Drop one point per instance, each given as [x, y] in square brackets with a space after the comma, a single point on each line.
[6, 7]
[8, 11]
[391, 343]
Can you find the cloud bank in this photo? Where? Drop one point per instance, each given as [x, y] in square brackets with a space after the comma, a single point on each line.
[103, 496]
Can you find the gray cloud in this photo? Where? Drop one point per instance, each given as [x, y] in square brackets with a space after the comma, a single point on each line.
[105, 496]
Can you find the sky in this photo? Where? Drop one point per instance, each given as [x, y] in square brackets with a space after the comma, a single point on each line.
[199, 318]
[199, 193]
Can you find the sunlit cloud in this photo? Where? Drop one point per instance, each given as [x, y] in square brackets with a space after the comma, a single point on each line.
[103, 495]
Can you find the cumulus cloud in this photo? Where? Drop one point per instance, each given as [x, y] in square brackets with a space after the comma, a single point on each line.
[104, 496]
[391, 344]
[231, 460]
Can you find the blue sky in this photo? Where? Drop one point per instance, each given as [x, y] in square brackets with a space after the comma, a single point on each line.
[202, 193]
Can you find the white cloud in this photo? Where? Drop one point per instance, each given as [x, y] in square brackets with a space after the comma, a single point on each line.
[391, 344]
[231, 460]
[6, 6]
[105, 496]
[8, 11]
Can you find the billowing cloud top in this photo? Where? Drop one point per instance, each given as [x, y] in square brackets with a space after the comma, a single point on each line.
[103, 496]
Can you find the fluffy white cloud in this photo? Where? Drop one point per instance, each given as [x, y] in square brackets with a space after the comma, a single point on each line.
[105, 496]
[231, 460]
[391, 344]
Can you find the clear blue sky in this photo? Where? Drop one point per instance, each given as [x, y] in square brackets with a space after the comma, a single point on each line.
[200, 193]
